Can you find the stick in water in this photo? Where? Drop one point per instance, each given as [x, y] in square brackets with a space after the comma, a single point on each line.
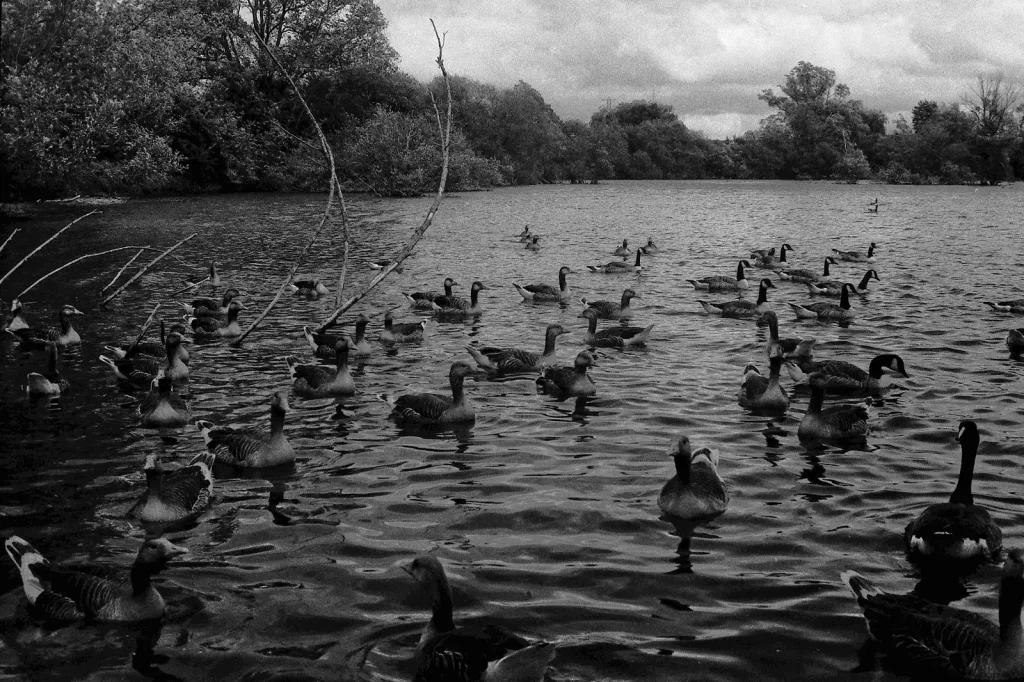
[38, 248]
[72, 262]
[141, 272]
[123, 268]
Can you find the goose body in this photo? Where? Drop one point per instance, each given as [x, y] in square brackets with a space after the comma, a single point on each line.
[140, 370]
[402, 332]
[1015, 340]
[35, 339]
[252, 449]
[547, 292]
[650, 248]
[945, 642]
[1013, 306]
[841, 422]
[807, 276]
[533, 244]
[162, 408]
[211, 327]
[210, 307]
[772, 262]
[434, 409]
[618, 336]
[17, 321]
[156, 349]
[524, 235]
[801, 350]
[314, 381]
[175, 495]
[836, 288]
[51, 383]
[457, 308]
[422, 300]
[569, 382]
[742, 307]
[857, 256]
[310, 288]
[697, 490]
[760, 393]
[624, 250]
[515, 360]
[76, 591]
[323, 344]
[845, 377]
[723, 283]
[618, 266]
[610, 310]
[825, 310]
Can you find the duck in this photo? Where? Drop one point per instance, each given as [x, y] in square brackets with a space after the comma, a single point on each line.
[470, 653]
[156, 349]
[742, 307]
[825, 310]
[212, 280]
[1014, 306]
[650, 248]
[403, 332]
[384, 263]
[799, 350]
[807, 276]
[210, 307]
[836, 288]
[845, 377]
[434, 409]
[525, 235]
[958, 529]
[51, 383]
[624, 250]
[533, 244]
[770, 261]
[211, 327]
[938, 641]
[721, 282]
[569, 382]
[618, 336]
[252, 449]
[546, 292]
[17, 321]
[515, 360]
[857, 256]
[322, 344]
[760, 393]
[422, 300]
[310, 288]
[697, 490]
[161, 408]
[71, 592]
[140, 370]
[175, 495]
[35, 339]
[1015, 340]
[459, 308]
[618, 266]
[841, 422]
[314, 381]
[609, 310]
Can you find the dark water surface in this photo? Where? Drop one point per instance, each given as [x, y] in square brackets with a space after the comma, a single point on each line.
[543, 512]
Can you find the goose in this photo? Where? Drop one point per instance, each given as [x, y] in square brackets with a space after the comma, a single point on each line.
[162, 408]
[697, 490]
[1014, 306]
[433, 409]
[17, 321]
[533, 244]
[210, 327]
[937, 641]
[156, 349]
[515, 360]
[771, 261]
[382, 264]
[650, 248]
[35, 339]
[525, 234]
[314, 381]
[310, 288]
[958, 529]
[322, 344]
[175, 495]
[761, 254]
[569, 382]
[742, 307]
[760, 393]
[807, 276]
[51, 383]
[422, 299]
[825, 310]
[873, 206]
[801, 350]
[845, 377]
[613, 337]
[70, 592]
[836, 423]
[547, 292]
[618, 267]
[251, 449]
[1015, 340]
[403, 332]
[836, 288]
[609, 310]
[210, 307]
[624, 250]
[459, 308]
[140, 370]
[470, 653]
[721, 282]
[212, 280]
[857, 256]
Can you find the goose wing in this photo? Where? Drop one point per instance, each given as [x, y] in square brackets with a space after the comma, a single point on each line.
[234, 447]
[465, 653]
[512, 360]
[942, 524]
[737, 308]
[603, 308]
[89, 586]
[407, 328]
[851, 420]
[189, 488]
[561, 378]
[314, 375]
[753, 387]
[422, 407]
[718, 282]
[839, 370]
[544, 289]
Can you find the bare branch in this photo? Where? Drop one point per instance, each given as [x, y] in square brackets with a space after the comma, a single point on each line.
[123, 268]
[9, 238]
[70, 263]
[38, 248]
[141, 272]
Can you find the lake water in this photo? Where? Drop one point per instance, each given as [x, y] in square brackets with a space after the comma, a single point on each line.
[544, 512]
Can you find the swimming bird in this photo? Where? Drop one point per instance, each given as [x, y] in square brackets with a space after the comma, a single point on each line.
[624, 250]
[75, 591]
[322, 344]
[515, 360]
[609, 310]
[650, 248]
[17, 321]
[826, 310]
[958, 529]
[617, 267]
[35, 339]
[210, 327]
[161, 408]
[742, 307]
[140, 370]
[470, 653]
[403, 332]
[569, 382]
[381, 264]
[51, 383]
[770, 261]
[1015, 340]
[857, 256]
[458, 308]
[845, 377]
[525, 235]
[156, 349]
[761, 254]
[533, 244]
[422, 299]
[212, 280]
[760, 393]
[839, 422]
[697, 490]
[721, 282]
[252, 449]
[944, 642]
[1014, 306]
[836, 288]
[807, 276]
[434, 409]
[310, 288]
[800, 350]
[314, 381]
[211, 307]
[547, 292]
[175, 495]
[618, 336]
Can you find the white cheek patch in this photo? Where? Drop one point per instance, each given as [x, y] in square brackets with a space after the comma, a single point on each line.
[962, 549]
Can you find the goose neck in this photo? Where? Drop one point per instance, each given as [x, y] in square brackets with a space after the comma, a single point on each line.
[474, 295]
[1011, 599]
[739, 272]
[762, 295]
[549, 342]
[458, 395]
[562, 284]
[141, 575]
[817, 399]
[361, 330]
[276, 420]
[592, 324]
[844, 298]
[962, 493]
[682, 468]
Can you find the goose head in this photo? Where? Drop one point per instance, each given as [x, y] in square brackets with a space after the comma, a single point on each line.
[477, 286]
[70, 310]
[460, 370]
[279, 402]
[555, 329]
[584, 360]
[156, 551]
[967, 434]
[588, 313]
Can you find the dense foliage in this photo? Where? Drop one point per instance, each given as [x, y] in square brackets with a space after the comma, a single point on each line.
[133, 96]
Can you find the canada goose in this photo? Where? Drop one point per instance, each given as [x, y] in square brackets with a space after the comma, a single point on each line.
[547, 292]
[840, 422]
[1014, 306]
[650, 248]
[175, 495]
[140, 370]
[845, 377]
[609, 310]
[210, 307]
[937, 641]
[618, 336]
[569, 382]
[618, 266]
[525, 235]
[807, 276]
[801, 350]
[721, 282]
[51, 383]
[624, 250]
[211, 327]
[252, 449]
[760, 393]
[825, 310]
[761, 254]
[314, 381]
[836, 288]
[35, 339]
[403, 332]
[161, 408]
[742, 307]
[697, 490]
[422, 300]
[857, 256]
[459, 308]
[515, 360]
[69, 592]
[434, 409]
[533, 244]
[1015, 340]
[471, 653]
[958, 529]
[771, 261]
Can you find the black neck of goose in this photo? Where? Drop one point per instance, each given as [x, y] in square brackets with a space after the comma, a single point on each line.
[962, 492]
[624, 302]
[682, 467]
[826, 273]
[776, 369]
[875, 368]
[762, 296]
[739, 272]
[457, 394]
[233, 314]
[164, 386]
[871, 251]
[637, 264]
[153, 477]
[388, 323]
[441, 609]
[561, 280]
[1011, 599]
[474, 295]
[361, 330]
[592, 324]
[140, 575]
[172, 352]
[844, 298]
[276, 419]
[549, 342]
[581, 369]
[447, 289]
[773, 327]
[782, 254]
[864, 281]
[817, 399]
[226, 299]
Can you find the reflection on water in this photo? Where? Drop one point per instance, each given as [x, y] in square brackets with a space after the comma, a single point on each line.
[544, 510]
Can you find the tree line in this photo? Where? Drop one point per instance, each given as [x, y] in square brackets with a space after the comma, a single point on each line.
[139, 96]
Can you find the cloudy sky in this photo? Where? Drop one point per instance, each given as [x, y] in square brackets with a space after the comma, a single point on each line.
[710, 59]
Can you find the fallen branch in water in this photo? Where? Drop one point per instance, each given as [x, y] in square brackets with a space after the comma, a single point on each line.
[123, 268]
[141, 272]
[72, 262]
[145, 327]
[344, 257]
[38, 248]
[9, 238]
[192, 286]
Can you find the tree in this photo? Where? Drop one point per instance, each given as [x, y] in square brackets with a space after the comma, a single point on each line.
[992, 103]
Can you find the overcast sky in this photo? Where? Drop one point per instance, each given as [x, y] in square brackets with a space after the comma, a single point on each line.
[710, 59]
